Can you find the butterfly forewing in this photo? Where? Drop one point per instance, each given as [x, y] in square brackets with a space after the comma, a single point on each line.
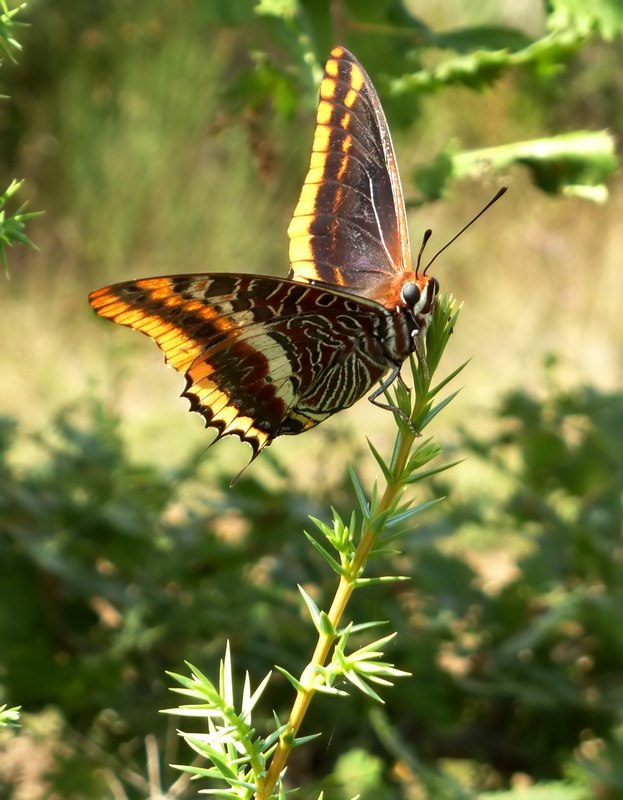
[262, 356]
[349, 228]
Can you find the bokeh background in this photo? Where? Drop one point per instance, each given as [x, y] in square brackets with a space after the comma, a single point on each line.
[164, 137]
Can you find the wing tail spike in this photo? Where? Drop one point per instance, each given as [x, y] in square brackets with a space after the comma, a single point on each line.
[257, 449]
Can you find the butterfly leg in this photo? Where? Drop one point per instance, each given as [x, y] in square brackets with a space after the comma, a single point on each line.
[394, 375]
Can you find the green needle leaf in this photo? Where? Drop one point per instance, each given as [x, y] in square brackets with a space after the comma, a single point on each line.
[313, 610]
[387, 473]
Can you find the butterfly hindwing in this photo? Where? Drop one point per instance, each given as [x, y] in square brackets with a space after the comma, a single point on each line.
[262, 356]
[349, 228]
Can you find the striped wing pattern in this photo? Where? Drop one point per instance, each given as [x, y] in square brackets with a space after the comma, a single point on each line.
[262, 356]
[349, 228]
[266, 356]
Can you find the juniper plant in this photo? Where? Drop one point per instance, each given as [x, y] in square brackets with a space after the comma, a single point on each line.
[253, 766]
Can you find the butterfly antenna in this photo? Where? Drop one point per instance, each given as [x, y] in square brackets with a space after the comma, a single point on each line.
[427, 234]
[465, 227]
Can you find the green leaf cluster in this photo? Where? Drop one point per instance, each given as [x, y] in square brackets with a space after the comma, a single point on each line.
[231, 745]
[8, 43]
[9, 716]
[11, 225]
[574, 164]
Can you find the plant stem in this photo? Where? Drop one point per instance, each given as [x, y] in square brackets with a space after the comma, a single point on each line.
[345, 588]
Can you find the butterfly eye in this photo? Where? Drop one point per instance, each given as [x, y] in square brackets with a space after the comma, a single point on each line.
[410, 294]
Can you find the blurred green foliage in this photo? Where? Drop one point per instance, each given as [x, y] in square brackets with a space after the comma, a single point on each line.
[113, 571]
[551, 657]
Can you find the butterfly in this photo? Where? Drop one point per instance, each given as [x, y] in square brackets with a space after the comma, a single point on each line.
[265, 356]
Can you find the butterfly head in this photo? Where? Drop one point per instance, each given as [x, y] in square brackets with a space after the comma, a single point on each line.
[417, 299]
